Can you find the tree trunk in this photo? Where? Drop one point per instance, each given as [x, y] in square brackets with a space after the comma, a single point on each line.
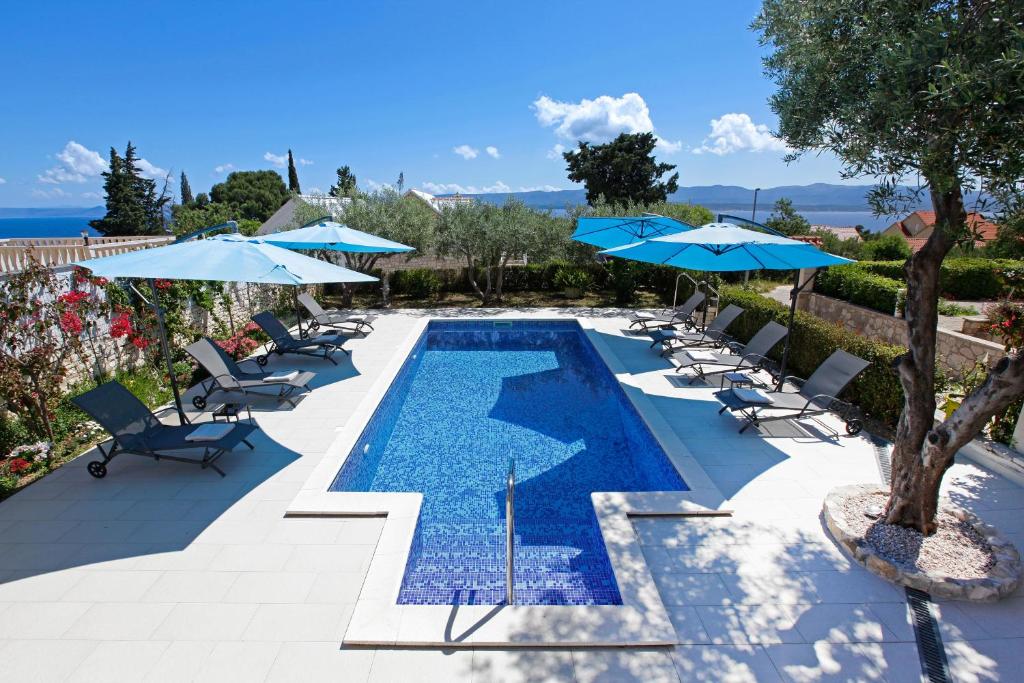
[922, 454]
[471, 274]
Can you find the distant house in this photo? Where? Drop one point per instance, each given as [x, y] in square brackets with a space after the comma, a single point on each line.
[918, 226]
[284, 217]
[845, 232]
[439, 203]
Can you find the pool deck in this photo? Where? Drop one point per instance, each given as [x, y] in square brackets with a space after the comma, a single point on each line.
[162, 571]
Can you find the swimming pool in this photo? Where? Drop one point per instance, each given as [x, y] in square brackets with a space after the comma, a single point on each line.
[470, 396]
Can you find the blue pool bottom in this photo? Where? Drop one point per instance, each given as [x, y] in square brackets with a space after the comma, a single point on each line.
[471, 396]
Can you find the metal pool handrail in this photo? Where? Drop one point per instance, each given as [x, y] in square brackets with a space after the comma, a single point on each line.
[510, 529]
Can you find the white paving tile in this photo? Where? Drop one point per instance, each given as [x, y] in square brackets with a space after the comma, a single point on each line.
[238, 662]
[320, 662]
[119, 660]
[593, 666]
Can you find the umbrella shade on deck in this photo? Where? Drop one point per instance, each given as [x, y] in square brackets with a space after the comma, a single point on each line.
[336, 237]
[721, 247]
[227, 258]
[607, 232]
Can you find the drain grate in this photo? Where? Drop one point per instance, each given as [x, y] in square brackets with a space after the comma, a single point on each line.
[881, 447]
[934, 665]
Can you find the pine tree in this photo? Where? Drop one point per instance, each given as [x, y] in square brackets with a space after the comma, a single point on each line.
[186, 190]
[401, 182]
[293, 175]
[346, 185]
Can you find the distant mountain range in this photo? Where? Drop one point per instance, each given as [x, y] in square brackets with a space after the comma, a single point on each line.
[814, 197]
[61, 212]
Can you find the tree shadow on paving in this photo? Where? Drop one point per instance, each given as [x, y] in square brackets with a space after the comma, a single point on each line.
[751, 601]
[141, 509]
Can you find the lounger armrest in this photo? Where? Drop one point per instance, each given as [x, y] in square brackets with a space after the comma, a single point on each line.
[229, 381]
[755, 358]
[831, 399]
[734, 346]
[793, 379]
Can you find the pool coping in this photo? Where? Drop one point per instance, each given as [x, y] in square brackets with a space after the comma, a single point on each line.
[378, 619]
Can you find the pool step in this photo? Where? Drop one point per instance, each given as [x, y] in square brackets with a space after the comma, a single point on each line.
[464, 563]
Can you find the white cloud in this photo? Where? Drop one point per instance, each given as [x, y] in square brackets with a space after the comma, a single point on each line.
[453, 188]
[736, 133]
[149, 170]
[305, 162]
[540, 188]
[313, 190]
[556, 151]
[3, 181]
[53, 193]
[493, 151]
[466, 152]
[279, 160]
[374, 185]
[599, 120]
[77, 164]
[224, 168]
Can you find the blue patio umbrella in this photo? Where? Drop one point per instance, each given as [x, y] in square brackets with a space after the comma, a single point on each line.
[228, 258]
[607, 232]
[723, 247]
[326, 234]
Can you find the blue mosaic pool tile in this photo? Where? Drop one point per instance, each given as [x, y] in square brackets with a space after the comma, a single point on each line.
[470, 395]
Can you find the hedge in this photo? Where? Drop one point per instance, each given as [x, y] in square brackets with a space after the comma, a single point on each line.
[877, 390]
[963, 279]
[858, 286]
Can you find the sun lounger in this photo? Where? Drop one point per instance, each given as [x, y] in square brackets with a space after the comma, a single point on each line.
[816, 396]
[752, 355]
[335, 319]
[282, 341]
[714, 335]
[226, 376]
[135, 429]
[670, 317]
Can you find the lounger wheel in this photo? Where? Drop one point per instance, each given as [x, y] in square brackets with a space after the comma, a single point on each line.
[97, 469]
[199, 402]
[304, 334]
[854, 427]
[262, 360]
[314, 325]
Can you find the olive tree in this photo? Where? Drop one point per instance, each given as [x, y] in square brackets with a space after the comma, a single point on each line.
[902, 90]
[487, 237]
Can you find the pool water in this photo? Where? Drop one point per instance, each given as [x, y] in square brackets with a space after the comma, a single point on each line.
[472, 395]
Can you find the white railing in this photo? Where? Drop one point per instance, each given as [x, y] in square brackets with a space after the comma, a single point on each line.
[54, 252]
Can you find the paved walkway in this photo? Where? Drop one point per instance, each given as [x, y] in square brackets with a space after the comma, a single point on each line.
[164, 572]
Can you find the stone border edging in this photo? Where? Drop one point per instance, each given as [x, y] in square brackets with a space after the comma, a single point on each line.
[1003, 578]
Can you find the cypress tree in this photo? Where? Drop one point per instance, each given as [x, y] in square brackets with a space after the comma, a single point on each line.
[293, 175]
[401, 181]
[186, 190]
[133, 207]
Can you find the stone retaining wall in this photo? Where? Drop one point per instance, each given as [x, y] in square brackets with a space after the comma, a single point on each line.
[956, 351]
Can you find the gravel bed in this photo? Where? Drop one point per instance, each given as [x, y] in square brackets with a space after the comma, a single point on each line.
[955, 550]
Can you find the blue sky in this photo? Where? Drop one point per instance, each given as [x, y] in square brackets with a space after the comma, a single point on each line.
[473, 95]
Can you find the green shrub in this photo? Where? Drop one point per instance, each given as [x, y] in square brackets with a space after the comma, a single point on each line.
[887, 248]
[573, 278]
[970, 279]
[420, 283]
[877, 390]
[853, 284]
[952, 308]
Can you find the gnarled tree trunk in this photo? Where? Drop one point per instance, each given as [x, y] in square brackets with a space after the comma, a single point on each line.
[922, 453]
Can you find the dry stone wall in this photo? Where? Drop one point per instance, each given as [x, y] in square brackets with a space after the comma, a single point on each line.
[955, 350]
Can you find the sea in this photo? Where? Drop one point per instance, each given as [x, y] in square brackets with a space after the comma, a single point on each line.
[833, 218]
[60, 226]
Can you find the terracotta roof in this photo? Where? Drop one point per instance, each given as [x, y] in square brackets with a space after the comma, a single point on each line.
[984, 228]
[916, 243]
[844, 232]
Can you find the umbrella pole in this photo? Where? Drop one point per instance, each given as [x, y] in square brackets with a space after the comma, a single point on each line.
[166, 349]
[298, 316]
[793, 295]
